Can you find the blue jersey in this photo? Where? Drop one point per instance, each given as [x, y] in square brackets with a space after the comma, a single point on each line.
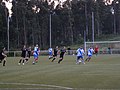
[90, 52]
[50, 51]
[36, 51]
[80, 52]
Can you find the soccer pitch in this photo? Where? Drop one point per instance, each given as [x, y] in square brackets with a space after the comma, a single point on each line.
[101, 73]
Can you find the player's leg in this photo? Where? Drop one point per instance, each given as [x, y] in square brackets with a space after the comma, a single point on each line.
[82, 60]
[4, 61]
[50, 55]
[35, 59]
[89, 58]
[0, 60]
[78, 60]
[61, 58]
[20, 60]
[54, 57]
[26, 59]
[23, 61]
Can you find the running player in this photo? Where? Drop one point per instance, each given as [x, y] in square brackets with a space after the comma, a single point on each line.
[89, 54]
[96, 49]
[50, 50]
[23, 55]
[36, 54]
[55, 53]
[62, 52]
[3, 56]
[80, 56]
[28, 54]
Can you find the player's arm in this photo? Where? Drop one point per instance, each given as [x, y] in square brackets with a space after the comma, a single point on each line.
[59, 51]
[4, 55]
[76, 52]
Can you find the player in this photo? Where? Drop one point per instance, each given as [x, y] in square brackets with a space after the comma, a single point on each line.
[36, 54]
[23, 55]
[109, 50]
[3, 56]
[55, 53]
[89, 54]
[96, 49]
[80, 56]
[62, 53]
[50, 50]
[28, 51]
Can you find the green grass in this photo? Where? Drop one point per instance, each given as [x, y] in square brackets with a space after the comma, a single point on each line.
[103, 72]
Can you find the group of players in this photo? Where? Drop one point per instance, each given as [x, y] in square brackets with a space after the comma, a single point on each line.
[53, 53]
[79, 54]
[26, 53]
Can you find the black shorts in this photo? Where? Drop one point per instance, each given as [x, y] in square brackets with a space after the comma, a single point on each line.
[23, 56]
[2, 57]
[96, 51]
[28, 55]
[61, 55]
[55, 55]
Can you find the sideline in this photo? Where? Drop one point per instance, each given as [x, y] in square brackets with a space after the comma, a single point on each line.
[27, 84]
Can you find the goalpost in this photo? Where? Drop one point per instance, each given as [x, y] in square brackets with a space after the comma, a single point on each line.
[105, 47]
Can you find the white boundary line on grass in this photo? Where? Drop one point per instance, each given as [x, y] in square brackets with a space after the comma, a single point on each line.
[27, 84]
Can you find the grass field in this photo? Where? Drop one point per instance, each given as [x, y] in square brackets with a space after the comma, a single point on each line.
[102, 73]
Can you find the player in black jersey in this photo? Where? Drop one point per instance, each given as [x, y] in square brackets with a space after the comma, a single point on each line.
[28, 54]
[62, 53]
[55, 53]
[23, 55]
[3, 56]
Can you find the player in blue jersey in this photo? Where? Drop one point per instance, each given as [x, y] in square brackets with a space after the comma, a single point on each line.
[80, 56]
[89, 54]
[36, 54]
[50, 50]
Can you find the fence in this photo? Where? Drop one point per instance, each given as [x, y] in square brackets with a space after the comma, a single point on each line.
[68, 52]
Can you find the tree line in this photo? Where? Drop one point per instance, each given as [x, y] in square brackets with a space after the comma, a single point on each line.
[71, 22]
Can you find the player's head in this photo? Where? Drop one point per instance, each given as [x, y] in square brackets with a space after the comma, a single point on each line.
[57, 47]
[29, 47]
[36, 45]
[3, 48]
[81, 47]
[24, 46]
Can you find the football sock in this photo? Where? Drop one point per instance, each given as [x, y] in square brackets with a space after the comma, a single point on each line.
[83, 61]
[4, 63]
[53, 59]
[26, 60]
[20, 60]
[60, 60]
[23, 61]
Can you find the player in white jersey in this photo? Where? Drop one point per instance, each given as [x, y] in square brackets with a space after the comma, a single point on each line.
[36, 54]
[89, 54]
[80, 56]
[50, 50]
